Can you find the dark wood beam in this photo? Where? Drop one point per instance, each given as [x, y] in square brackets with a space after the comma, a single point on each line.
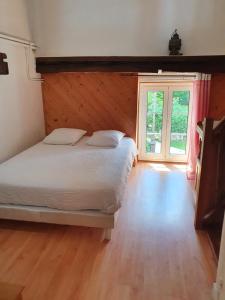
[4, 70]
[207, 64]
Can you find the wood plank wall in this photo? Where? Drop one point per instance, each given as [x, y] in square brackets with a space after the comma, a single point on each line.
[104, 100]
[217, 98]
[91, 101]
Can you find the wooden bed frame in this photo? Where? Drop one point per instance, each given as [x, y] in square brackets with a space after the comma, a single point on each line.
[85, 218]
[54, 216]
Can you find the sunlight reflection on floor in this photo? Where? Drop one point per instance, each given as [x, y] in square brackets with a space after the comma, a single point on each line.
[168, 167]
[160, 167]
[182, 168]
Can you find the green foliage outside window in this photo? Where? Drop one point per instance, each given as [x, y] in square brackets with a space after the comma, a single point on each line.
[179, 118]
[179, 112]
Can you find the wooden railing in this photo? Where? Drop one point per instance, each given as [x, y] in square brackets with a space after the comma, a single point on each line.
[210, 179]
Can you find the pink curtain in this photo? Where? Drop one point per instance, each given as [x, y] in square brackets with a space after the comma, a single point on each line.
[200, 107]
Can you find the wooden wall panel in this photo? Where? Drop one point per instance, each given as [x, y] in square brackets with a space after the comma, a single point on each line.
[91, 101]
[217, 98]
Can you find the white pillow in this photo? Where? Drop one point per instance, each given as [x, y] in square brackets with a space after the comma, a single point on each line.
[105, 138]
[64, 136]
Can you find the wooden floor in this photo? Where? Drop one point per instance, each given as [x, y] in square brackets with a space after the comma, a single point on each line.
[154, 254]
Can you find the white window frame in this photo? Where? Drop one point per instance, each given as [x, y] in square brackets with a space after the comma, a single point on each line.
[167, 88]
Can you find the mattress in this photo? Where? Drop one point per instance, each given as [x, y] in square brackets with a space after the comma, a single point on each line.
[79, 177]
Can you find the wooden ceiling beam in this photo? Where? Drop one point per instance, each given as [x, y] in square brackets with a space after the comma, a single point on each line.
[206, 64]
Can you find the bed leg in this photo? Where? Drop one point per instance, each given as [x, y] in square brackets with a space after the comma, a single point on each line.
[107, 234]
[135, 161]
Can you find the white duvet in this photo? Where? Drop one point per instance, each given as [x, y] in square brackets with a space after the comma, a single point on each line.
[68, 177]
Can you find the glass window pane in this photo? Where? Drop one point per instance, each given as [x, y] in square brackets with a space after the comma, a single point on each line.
[154, 121]
[179, 122]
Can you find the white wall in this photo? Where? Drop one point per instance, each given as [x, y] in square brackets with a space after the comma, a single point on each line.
[127, 27]
[14, 18]
[21, 110]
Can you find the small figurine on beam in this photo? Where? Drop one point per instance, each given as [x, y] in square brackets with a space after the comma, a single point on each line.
[175, 44]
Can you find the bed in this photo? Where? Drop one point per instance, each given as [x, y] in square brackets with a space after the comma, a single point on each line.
[63, 184]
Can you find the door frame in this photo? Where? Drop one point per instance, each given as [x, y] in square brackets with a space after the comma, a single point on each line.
[142, 124]
[167, 109]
